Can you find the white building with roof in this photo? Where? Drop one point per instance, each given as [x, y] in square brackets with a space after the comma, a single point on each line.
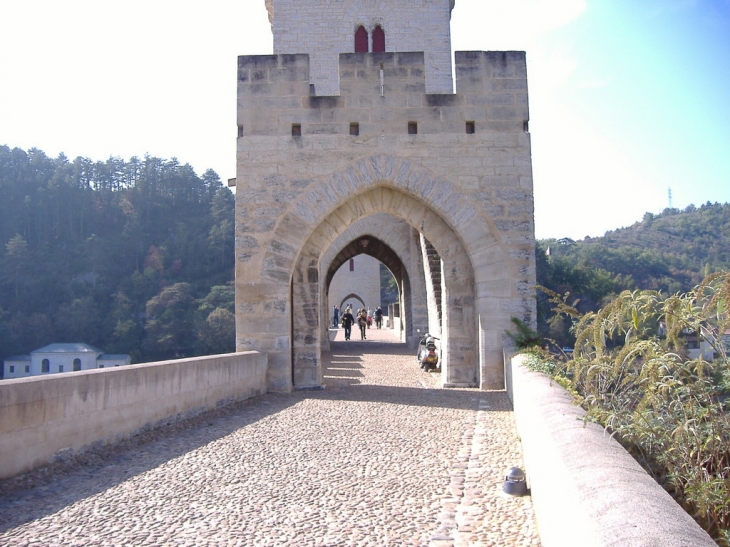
[55, 358]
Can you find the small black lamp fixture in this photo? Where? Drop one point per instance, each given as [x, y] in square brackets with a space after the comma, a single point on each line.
[514, 482]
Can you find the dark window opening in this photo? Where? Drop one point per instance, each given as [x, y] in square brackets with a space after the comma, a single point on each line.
[412, 128]
[60, 368]
[354, 129]
[361, 40]
[296, 130]
[12, 369]
[470, 128]
[77, 364]
[352, 264]
[526, 126]
[378, 40]
[45, 365]
[240, 131]
[27, 368]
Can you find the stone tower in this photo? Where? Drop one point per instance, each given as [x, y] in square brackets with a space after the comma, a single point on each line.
[351, 141]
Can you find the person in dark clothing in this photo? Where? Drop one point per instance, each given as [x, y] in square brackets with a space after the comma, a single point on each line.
[362, 321]
[347, 321]
[378, 317]
[336, 317]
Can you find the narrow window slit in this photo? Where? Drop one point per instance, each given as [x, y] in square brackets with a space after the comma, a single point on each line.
[378, 40]
[361, 40]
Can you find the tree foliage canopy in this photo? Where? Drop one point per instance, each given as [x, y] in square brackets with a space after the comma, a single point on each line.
[671, 252]
[89, 249]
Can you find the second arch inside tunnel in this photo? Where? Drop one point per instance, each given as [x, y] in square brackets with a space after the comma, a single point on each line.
[403, 250]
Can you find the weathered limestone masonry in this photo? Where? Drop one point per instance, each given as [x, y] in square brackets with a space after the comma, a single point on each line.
[326, 28]
[359, 287]
[454, 167]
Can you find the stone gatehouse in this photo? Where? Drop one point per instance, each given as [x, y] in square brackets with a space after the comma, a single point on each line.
[354, 119]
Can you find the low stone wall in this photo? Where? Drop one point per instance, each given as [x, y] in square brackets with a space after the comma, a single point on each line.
[43, 417]
[586, 489]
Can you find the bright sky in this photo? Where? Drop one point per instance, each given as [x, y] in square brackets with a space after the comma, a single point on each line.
[628, 98]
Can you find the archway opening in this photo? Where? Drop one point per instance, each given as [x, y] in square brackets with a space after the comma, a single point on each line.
[381, 263]
[459, 331]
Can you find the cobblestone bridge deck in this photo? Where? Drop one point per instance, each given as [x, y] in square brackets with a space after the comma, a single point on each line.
[378, 458]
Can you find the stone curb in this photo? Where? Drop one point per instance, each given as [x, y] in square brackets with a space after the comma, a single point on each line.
[586, 489]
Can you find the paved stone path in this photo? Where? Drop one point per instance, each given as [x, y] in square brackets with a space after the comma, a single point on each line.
[378, 458]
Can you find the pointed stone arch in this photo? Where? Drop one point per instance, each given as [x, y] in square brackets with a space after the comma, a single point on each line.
[402, 258]
[459, 332]
[317, 204]
[481, 291]
[350, 297]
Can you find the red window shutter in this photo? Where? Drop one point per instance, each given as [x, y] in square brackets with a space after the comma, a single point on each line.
[378, 40]
[361, 40]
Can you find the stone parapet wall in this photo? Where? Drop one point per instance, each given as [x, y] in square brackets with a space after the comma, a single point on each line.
[274, 92]
[42, 417]
[587, 491]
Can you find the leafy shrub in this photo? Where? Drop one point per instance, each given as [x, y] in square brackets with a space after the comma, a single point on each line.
[525, 336]
[634, 375]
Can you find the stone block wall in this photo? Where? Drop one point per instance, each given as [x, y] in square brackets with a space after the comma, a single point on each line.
[325, 29]
[60, 414]
[451, 163]
[586, 489]
[364, 282]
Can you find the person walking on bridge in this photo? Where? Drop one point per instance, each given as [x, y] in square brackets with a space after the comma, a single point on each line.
[378, 317]
[347, 321]
[362, 321]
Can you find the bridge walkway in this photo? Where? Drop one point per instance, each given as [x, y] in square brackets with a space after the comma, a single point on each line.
[380, 457]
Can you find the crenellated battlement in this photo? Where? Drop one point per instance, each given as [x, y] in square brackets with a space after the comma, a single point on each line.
[382, 93]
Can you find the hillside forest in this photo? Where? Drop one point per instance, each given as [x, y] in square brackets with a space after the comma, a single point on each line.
[671, 252]
[137, 257]
[128, 256]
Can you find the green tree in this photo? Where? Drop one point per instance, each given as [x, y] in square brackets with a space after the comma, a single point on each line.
[80, 321]
[16, 262]
[170, 320]
[217, 334]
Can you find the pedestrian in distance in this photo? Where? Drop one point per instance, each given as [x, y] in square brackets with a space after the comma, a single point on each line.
[347, 321]
[336, 317]
[362, 321]
[378, 317]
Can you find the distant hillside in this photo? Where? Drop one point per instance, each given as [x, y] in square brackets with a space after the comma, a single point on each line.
[672, 251]
[132, 256]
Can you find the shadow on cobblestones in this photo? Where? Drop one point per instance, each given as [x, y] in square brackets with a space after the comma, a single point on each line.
[47, 490]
